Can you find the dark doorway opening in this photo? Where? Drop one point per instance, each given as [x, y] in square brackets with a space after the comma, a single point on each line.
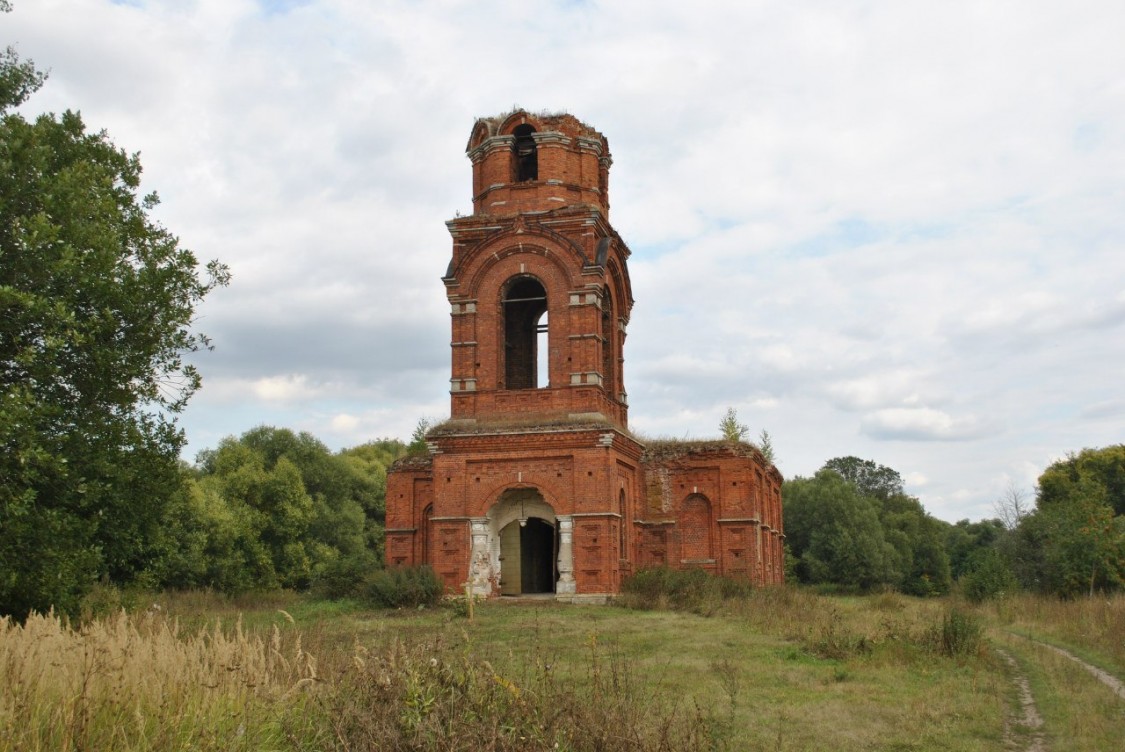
[528, 550]
[537, 557]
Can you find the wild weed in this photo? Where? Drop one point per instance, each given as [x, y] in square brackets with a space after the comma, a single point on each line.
[403, 587]
[960, 634]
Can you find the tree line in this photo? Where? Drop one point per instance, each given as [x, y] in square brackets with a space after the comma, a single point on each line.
[276, 509]
[852, 526]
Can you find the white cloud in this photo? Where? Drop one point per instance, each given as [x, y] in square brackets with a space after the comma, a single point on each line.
[915, 480]
[286, 388]
[920, 424]
[909, 212]
[344, 423]
[878, 389]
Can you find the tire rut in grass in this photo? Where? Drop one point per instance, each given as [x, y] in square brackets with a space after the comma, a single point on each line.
[1027, 717]
[1106, 678]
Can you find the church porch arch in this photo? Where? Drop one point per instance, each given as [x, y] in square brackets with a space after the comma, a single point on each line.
[521, 546]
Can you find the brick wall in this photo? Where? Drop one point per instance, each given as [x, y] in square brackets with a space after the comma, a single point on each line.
[739, 535]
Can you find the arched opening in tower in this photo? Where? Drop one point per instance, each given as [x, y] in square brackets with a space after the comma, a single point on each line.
[526, 157]
[609, 350]
[525, 328]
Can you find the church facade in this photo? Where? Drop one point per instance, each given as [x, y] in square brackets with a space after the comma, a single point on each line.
[535, 484]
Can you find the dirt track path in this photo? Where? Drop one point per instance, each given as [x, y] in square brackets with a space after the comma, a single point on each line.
[1111, 681]
[1028, 717]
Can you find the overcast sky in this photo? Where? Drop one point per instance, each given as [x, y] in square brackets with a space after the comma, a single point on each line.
[894, 230]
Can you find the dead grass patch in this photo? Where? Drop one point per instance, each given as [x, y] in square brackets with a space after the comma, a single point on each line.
[137, 682]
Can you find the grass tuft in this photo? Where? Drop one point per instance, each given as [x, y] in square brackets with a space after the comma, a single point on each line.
[403, 587]
[960, 634]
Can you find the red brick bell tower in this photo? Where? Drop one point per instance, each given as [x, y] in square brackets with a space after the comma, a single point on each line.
[535, 485]
[538, 286]
[528, 485]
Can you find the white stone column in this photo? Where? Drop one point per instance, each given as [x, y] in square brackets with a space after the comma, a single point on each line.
[480, 568]
[566, 584]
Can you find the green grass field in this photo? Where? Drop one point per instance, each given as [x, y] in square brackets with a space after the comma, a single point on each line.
[782, 669]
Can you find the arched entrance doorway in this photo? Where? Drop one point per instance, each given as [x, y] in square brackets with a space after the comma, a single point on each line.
[528, 549]
[527, 534]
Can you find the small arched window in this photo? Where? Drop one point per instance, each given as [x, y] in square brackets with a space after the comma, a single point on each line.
[525, 332]
[526, 159]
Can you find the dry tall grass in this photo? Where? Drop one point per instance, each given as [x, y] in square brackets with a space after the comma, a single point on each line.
[133, 683]
[140, 683]
[1094, 626]
[781, 668]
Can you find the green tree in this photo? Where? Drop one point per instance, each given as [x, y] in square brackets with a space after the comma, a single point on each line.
[96, 305]
[871, 478]
[834, 531]
[731, 429]
[372, 460]
[210, 542]
[1102, 468]
[1085, 546]
[270, 500]
[318, 515]
[18, 79]
[418, 438]
[921, 564]
[1074, 540]
[765, 443]
[966, 541]
[903, 547]
[987, 575]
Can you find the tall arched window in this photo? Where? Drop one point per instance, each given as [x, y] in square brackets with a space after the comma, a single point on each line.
[525, 330]
[526, 158]
[609, 350]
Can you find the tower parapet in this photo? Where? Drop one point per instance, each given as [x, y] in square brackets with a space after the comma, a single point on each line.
[524, 162]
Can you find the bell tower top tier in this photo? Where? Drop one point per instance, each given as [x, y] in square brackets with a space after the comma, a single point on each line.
[538, 285]
[524, 162]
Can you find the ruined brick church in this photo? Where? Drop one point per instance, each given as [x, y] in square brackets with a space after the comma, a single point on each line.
[535, 484]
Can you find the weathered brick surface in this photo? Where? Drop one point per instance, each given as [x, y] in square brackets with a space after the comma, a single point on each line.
[731, 486]
[562, 446]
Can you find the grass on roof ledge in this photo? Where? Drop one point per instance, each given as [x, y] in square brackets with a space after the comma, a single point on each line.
[670, 443]
[450, 426]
